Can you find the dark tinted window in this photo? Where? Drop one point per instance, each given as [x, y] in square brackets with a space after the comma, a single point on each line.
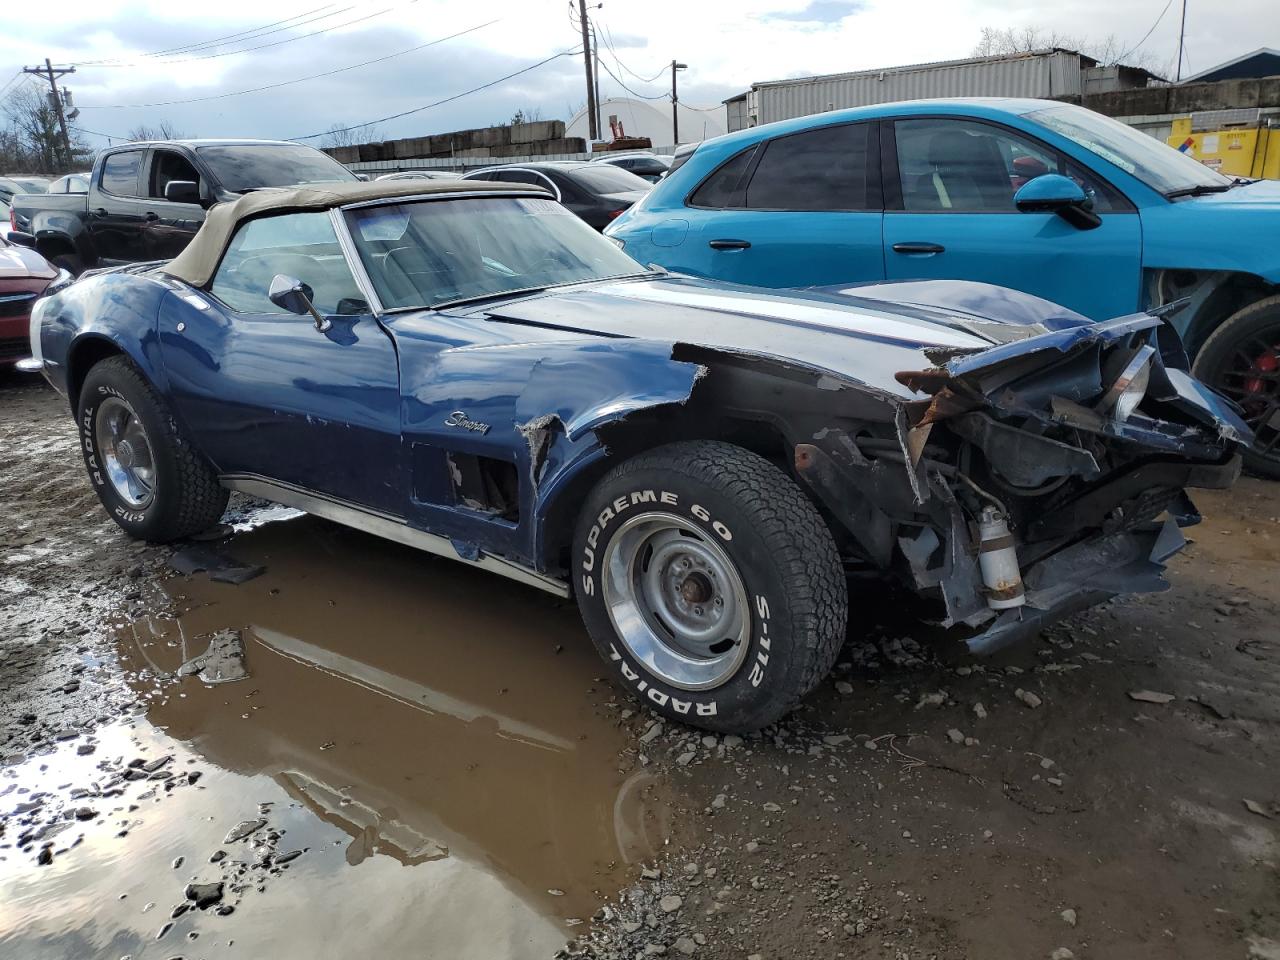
[602, 178]
[725, 187]
[245, 167]
[650, 166]
[823, 169]
[167, 166]
[120, 173]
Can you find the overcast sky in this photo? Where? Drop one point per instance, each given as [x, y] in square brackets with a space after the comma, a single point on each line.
[726, 43]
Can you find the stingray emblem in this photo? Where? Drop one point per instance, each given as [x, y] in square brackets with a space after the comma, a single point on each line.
[460, 419]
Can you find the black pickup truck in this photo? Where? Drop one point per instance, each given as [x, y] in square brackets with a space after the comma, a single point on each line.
[147, 200]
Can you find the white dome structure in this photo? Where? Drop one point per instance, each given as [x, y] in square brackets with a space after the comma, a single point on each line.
[652, 119]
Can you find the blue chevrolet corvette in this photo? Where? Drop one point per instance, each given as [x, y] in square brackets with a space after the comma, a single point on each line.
[468, 368]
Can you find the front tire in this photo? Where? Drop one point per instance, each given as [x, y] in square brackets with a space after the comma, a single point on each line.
[154, 484]
[710, 584]
[1241, 359]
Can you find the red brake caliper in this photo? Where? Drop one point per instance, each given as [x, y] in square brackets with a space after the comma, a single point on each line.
[1268, 362]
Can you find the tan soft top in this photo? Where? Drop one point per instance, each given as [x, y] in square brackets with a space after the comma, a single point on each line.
[197, 263]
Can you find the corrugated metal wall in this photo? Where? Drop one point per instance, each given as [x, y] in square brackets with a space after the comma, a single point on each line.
[1055, 74]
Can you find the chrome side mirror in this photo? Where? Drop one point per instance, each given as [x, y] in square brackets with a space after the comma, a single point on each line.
[290, 293]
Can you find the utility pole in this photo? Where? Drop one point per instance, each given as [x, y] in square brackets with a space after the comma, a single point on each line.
[586, 61]
[675, 100]
[50, 73]
[595, 43]
[1182, 32]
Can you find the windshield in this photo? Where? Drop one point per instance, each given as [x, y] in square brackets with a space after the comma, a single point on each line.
[1156, 164]
[428, 253]
[11, 185]
[249, 166]
[606, 178]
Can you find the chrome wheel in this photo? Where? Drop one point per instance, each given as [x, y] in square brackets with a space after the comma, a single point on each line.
[126, 452]
[676, 601]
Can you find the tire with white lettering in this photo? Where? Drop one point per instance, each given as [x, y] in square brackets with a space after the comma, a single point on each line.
[152, 481]
[710, 584]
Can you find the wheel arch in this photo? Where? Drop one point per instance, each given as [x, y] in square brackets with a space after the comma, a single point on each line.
[85, 352]
[1214, 296]
[560, 498]
[760, 404]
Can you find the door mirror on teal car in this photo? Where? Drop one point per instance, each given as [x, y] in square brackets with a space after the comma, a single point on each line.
[1054, 193]
[182, 191]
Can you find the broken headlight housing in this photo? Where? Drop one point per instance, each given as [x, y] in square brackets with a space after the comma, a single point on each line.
[1129, 386]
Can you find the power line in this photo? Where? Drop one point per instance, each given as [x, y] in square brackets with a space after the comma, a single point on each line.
[12, 80]
[242, 35]
[613, 50]
[642, 96]
[286, 83]
[265, 46]
[1134, 48]
[97, 133]
[456, 96]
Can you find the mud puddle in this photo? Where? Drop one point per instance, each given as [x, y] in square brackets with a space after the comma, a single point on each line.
[422, 755]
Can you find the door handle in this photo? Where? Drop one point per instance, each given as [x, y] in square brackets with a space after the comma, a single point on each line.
[149, 216]
[729, 244]
[100, 212]
[918, 248]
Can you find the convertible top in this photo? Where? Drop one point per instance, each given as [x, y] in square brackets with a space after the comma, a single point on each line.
[196, 264]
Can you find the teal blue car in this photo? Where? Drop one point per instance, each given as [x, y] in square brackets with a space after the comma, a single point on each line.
[1039, 196]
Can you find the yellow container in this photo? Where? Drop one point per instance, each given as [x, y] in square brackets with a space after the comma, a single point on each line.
[1234, 152]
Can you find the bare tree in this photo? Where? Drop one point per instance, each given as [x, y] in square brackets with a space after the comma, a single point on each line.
[524, 115]
[1108, 51]
[339, 135]
[164, 130]
[31, 139]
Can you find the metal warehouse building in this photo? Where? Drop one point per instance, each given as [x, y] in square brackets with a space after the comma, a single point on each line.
[1049, 74]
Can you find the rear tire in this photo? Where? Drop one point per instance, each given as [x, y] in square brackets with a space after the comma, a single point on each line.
[710, 584]
[154, 484]
[1241, 359]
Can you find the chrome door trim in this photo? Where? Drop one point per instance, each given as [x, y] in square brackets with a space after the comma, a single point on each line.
[347, 244]
[385, 526]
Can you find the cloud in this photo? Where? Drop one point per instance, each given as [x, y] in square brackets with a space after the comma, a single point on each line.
[818, 11]
[728, 44]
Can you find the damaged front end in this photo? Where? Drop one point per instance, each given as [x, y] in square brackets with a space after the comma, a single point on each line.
[1032, 479]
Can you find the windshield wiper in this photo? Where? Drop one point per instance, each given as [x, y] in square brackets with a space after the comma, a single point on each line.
[1199, 190]
[462, 301]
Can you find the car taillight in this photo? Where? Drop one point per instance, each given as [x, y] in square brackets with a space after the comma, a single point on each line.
[13, 220]
[615, 214]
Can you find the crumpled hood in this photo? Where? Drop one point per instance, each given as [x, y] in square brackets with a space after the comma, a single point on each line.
[16, 261]
[862, 338]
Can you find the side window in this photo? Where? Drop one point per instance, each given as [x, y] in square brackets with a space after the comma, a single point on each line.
[970, 167]
[301, 245]
[529, 176]
[167, 165]
[726, 187]
[822, 169]
[120, 173]
[77, 185]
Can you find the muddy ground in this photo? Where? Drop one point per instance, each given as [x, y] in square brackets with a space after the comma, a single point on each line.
[366, 750]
